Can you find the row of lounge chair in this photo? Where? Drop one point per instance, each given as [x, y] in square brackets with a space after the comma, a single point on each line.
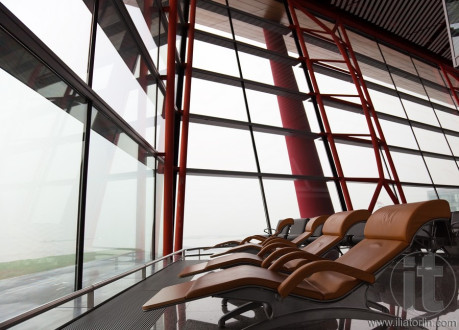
[300, 285]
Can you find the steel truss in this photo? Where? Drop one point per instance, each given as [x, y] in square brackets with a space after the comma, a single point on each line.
[337, 35]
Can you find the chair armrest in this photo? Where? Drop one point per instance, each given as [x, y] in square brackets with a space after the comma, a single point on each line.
[276, 254]
[257, 237]
[282, 224]
[225, 244]
[297, 254]
[271, 239]
[272, 246]
[301, 273]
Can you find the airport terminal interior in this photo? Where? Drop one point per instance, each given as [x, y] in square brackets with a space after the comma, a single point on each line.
[200, 164]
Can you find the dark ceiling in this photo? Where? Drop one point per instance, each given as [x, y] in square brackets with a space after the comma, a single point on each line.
[421, 22]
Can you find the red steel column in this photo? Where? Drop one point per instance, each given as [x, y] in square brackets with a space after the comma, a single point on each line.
[313, 196]
[169, 132]
[184, 137]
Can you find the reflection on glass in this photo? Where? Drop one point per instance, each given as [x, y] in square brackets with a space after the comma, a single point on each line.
[418, 194]
[451, 195]
[119, 212]
[452, 18]
[219, 209]
[64, 26]
[117, 58]
[149, 26]
[41, 129]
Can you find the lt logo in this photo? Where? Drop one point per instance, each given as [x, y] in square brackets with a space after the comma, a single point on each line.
[423, 281]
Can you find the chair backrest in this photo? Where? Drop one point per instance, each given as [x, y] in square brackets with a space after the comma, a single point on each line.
[315, 225]
[283, 227]
[455, 223]
[334, 230]
[313, 228]
[297, 228]
[388, 232]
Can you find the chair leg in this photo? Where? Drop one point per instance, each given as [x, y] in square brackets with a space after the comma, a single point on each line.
[238, 311]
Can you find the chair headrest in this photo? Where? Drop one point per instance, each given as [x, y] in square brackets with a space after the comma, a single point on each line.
[402, 221]
[315, 222]
[339, 223]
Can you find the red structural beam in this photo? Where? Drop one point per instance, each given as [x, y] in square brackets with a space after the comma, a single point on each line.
[321, 106]
[446, 71]
[312, 196]
[184, 137]
[168, 223]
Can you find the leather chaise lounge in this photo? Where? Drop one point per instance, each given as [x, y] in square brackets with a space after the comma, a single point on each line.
[282, 229]
[333, 232]
[313, 226]
[320, 289]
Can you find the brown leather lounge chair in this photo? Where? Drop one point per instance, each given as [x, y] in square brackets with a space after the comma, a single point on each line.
[312, 227]
[320, 289]
[282, 229]
[333, 232]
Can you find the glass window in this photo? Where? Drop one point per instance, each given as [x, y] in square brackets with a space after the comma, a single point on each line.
[451, 195]
[387, 103]
[64, 26]
[213, 22]
[215, 58]
[219, 209]
[328, 85]
[397, 134]
[281, 111]
[346, 122]
[453, 142]
[420, 112]
[230, 149]
[287, 154]
[419, 194]
[448, 120]
[217, 100]
[117, 58]
[357, 161]
[432, 141]
[146, 16]
[256, 68]
[160, 122]
[410, 167]
[443, 171]
[119, 211]
[281, 199]
[41, 130]
[362, 193]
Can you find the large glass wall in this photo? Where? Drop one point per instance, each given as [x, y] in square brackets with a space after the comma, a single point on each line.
[246, 72]
[81, 119]
[83, 132]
